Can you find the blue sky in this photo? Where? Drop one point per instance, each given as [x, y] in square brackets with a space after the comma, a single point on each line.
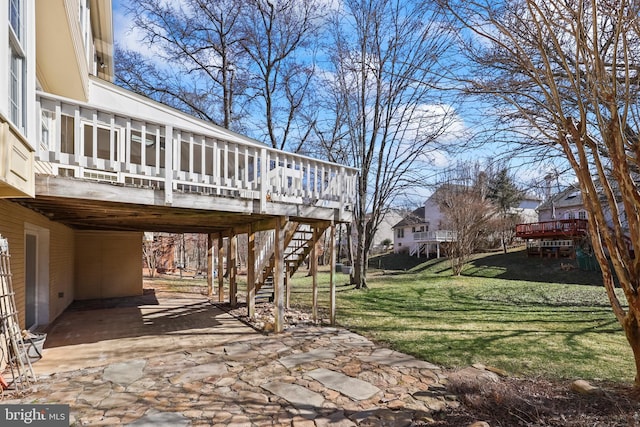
[124, 36]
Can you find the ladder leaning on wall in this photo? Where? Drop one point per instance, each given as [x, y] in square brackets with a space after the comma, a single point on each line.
[14, 351]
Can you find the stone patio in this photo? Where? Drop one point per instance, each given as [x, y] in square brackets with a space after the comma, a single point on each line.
[187, 362]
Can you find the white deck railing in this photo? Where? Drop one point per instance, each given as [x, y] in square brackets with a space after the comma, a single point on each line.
[99, 143]
[435, 236]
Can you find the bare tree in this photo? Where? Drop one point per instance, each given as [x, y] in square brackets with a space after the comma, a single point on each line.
[462, 199]
[568, 72]
[150, 252]
[277, 36]
[382, 110]
[245, 65]
[195, 61]
[157, 251]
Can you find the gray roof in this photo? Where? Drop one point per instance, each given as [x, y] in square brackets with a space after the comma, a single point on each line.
[570, 196]
[415, 217]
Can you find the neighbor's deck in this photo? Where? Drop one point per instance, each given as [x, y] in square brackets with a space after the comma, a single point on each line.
[560, 228]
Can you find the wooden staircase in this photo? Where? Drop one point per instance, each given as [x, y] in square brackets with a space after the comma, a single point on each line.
[298, 241]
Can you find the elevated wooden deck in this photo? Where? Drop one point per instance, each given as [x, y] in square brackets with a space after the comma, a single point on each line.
[131, 164]
[556, 229]
[122, 162]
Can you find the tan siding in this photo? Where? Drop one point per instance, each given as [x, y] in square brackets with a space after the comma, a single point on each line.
[61, 276]
[108, 264]
[61, 252]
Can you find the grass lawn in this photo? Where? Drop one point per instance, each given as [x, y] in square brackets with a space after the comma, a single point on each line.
[524, 315]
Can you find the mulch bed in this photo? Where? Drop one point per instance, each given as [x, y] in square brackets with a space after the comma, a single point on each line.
[536, 402]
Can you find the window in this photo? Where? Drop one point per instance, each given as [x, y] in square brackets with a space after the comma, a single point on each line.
[17, 75]
[103, 144]
[572, 195]
[400, 233]
[15, 17]
[84, 16]
[571, 215]
[582, 215]
[16, 83]
[67, 134]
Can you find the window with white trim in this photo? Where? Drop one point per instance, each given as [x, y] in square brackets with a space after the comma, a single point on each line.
[400, 233]
[15, 17]
[17, 74]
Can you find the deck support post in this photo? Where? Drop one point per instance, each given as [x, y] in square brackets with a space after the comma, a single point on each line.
[287, 287]
[220, 267]
[278, 279]
[332, 274]
[232, 268]
[251, 273]
[210, 266]
[313, 266]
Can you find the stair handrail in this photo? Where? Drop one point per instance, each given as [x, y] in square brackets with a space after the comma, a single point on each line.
[264, 254]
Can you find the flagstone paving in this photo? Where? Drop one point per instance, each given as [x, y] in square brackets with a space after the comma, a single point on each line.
[306, 376]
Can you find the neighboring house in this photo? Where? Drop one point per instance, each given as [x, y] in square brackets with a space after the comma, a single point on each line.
[403, 230]
[527, 209]
[420, 232]
[566, 204]
[385, 230]
[561, 226]
[86, 167]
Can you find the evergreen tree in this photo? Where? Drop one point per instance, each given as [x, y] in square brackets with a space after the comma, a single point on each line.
[505, 196]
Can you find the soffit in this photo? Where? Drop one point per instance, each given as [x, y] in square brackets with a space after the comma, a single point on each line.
[60, 65]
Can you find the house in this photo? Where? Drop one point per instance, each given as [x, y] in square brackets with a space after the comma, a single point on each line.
[566, 204]
[87, 167]
[385, 231]
[403, 230]
[527, 209]
[561, 226]
[420, 232]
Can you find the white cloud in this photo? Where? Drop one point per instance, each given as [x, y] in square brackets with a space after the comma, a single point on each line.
[123, 32]
[127, 35]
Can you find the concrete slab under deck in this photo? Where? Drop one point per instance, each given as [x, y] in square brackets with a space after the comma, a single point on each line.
[88, 337]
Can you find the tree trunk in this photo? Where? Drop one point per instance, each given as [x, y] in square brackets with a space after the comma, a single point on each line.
[631, 327]
[359, 278]
[350, 257]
